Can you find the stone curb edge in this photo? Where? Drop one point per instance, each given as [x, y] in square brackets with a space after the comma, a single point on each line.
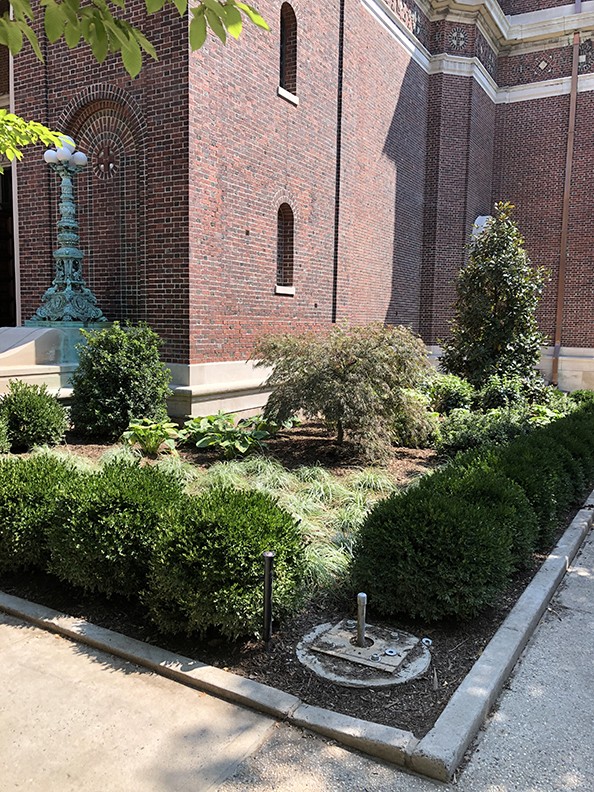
[437, 755]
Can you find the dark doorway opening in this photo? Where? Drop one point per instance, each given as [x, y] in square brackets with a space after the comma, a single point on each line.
[7, 273]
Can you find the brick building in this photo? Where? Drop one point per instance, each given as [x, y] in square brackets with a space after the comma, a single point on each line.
[330, 169]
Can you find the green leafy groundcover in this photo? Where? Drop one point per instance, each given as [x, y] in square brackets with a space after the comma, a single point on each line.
[447, 547]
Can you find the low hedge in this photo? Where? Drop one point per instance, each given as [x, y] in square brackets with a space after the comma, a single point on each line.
[447, 547]
[195, 561]
[104, 529]
[207, 569]
[29, 489]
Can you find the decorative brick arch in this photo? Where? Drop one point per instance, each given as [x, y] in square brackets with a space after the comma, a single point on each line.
[107, 124]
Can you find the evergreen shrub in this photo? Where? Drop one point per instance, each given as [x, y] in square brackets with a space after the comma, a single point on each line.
[32, 415]
[549, 474]
[582, 396]
[29, 490]
[120, 378]
[445, 548]
[448, 392]
[207, 569]
[494, 330]
[501, 390]
[415, 425]
[463, 430]
[104, 528]
[4, 441]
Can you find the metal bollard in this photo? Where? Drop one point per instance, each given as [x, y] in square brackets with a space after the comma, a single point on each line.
[361, 608]
[268, 574]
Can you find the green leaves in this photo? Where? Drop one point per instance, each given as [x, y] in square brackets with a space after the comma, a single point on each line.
[104, 32]
[495, 329]
[15, 133]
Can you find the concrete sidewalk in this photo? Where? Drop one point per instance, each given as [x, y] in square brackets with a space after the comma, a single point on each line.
[73, 718]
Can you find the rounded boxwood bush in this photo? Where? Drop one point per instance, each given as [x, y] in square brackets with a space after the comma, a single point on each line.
[29, 489]
[120, 377]
[104, 528]
[545, 471]
[33, 417]
[445, 548]
[207, 570]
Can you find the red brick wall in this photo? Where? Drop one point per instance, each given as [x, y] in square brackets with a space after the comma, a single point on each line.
[205, 152]
[529, 171]
[459, 169]
[134, 225]
[250, 152]
[524, 6]
[578, 324]
[383, 176]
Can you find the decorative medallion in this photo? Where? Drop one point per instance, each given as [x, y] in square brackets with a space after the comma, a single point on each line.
[104, 159]
[458, 38]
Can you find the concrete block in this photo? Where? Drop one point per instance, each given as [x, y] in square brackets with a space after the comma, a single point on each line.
[386, 742]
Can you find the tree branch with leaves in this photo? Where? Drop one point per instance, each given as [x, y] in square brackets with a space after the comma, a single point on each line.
[99, 25]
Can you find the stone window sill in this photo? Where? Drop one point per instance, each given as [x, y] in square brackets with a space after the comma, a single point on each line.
[287, 95]
[289, 291]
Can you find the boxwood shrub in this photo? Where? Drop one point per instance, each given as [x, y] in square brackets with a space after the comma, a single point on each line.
[207, 569]
[29, 489]
[445, 548]
[32, 415]
[4, 441]
[104, 528]
[448, 392]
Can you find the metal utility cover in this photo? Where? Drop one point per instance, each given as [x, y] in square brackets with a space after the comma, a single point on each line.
[338, 641]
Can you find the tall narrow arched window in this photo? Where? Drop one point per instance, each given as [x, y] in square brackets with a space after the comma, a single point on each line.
[288, 49]
[285, 246]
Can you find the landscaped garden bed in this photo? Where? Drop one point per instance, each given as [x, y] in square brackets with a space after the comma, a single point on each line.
[413, 706]
[163, 540]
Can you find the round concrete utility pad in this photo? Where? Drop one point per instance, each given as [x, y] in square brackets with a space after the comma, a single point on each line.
[389, 657]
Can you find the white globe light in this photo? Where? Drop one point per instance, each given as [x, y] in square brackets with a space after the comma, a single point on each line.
[50, 156]
[78, 158]
[63, 154]
[67, 143]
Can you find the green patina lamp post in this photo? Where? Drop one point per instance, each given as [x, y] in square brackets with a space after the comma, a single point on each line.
[68, 300]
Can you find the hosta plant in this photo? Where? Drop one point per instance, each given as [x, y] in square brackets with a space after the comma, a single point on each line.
[220, 432]
[152, 437]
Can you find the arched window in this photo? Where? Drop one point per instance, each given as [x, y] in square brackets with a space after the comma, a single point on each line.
[288, 49]
[285, 246]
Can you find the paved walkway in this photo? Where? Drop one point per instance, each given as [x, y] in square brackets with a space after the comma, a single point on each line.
[72, 718]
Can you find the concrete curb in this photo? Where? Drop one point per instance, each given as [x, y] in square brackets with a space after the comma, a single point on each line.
[437, 755]
[440, 752]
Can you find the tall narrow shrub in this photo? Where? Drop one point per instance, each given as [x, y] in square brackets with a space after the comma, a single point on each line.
[494, 330]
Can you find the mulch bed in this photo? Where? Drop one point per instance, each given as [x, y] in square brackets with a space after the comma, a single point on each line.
[413, 706]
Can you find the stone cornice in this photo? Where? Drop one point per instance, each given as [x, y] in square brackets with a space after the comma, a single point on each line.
[461, 66]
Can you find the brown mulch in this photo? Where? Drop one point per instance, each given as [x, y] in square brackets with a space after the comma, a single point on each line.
[413, 706]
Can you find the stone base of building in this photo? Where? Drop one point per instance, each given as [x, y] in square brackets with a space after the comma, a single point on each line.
[33, 355]
[576, 366]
